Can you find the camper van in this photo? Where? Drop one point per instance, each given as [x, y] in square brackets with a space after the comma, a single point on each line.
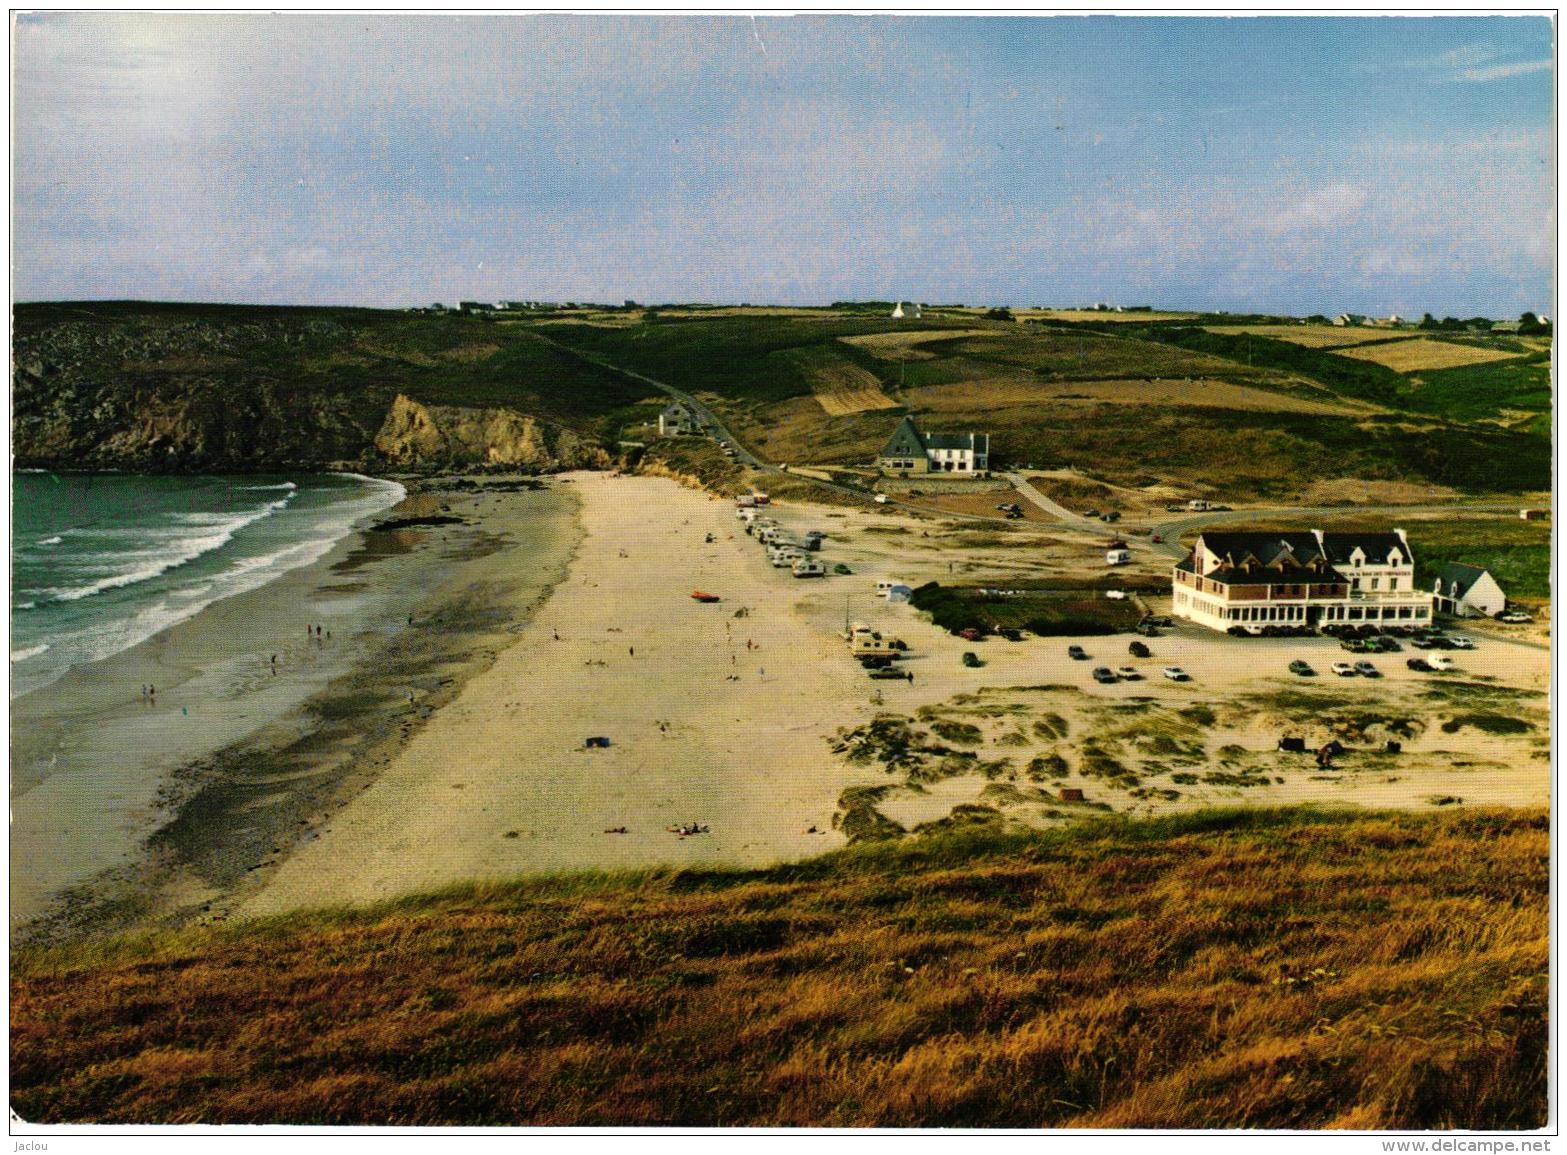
[746, 500]
[1197, 505]
[785, 555]
[866, 642]
[886, 584]
[807, 568]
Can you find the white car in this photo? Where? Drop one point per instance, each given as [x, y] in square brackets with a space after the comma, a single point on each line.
[1176, 674]
[1440, 662]
[1515, 617]
[1343, 669]
[1116, 595]
[1458, 642]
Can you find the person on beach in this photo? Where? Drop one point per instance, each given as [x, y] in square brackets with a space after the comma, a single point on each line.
[152, 694]
[144, 692]
[557, 634]
[632, 650]
[274, 664]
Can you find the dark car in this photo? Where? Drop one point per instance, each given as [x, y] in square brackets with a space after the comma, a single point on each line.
[1420, 664]
[1113, 515]
[1090, 513]
[970, 634]
[1010, 634]
[1076, 653]
[1367, 670]
[971, 660]
[1104, 674]
[1301, 668]
[1138, 650]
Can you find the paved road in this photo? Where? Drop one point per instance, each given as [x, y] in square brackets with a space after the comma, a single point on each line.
[1061, 513]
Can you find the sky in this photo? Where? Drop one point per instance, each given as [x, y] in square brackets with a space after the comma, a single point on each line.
[1294, 165]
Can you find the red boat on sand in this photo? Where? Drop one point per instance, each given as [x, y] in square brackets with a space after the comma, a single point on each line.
[704, 597]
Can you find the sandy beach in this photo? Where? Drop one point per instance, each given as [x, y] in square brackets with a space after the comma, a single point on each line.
[453, 748]
[717, 714]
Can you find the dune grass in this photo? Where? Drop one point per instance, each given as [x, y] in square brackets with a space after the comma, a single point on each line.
[1243, 968]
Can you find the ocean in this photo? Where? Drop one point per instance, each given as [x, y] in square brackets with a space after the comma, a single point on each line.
[101, 562]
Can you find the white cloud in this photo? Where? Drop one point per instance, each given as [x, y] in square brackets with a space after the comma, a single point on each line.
[1501, 71]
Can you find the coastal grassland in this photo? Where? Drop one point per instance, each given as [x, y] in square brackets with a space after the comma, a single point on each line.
[1284, 968]
[1059, 395]
[750, 358]
[1048, 613]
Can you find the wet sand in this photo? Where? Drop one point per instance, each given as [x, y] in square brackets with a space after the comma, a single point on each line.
[124, 811]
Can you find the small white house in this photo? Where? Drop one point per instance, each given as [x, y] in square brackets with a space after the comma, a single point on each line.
[1117, 553]
[1465, 590]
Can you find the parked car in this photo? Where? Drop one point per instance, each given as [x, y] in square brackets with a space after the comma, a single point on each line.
[1302, 669]
[1014, 514]
[1113, 515]
[1420, 664]
[1128, 673]
[1156, 538]
[1104, 674]
[889, 672]
[1090, 513]
[1441, 662]
[1138, 650]
[1076, 653]
[971, 660]
[970, 634]
[1514, 617]
[1343, 669]
[1462, 643]
[1367, 670]
[1176, 674]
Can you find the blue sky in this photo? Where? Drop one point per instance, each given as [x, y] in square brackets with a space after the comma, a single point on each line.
[1274, 164]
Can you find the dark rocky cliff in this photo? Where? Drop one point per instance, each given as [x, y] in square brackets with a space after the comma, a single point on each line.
[214, 388]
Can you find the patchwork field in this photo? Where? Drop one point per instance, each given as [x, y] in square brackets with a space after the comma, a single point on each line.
[840, 386]
[906, 346]
[1197, 392]
[1413, 356]
[1311, 336]
[1096, 315]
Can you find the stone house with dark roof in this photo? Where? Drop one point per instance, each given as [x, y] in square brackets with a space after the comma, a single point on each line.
[1312, 578]
[910, 451]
